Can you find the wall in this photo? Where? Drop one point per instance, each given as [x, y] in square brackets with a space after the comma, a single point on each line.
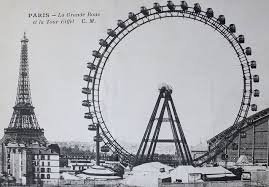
[255, 145]
[42, 166]
[2, 158]
[16, 162]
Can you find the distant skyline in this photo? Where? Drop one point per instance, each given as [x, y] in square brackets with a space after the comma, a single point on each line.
[195, 60]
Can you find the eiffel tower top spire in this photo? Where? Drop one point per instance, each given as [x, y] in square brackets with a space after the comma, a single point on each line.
[23, 126]
[23, 90]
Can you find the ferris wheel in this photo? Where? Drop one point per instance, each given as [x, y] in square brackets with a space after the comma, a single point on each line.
[146, 15]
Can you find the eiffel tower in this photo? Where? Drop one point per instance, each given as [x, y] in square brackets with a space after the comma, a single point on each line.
[149, 141]
[23, 127]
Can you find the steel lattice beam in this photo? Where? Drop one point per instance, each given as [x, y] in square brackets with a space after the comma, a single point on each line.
[23, 126]
[179, 140]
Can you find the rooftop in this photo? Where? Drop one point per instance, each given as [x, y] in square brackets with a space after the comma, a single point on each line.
[43, 151]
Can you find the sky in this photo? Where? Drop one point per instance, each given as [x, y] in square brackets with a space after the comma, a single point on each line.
[194, 59]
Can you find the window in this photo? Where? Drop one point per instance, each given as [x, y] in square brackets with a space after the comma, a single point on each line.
[42, 176]
[48, 176]
[42, 157]
[37, 169]
[48, 163]
[48, 170]
[48, 157]
[37, 176]
[42, 163]
[42, 170]
[243, 135]
[224, 156]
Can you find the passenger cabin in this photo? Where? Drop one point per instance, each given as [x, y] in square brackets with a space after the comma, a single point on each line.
[97, 138]
[121, 24]
[170, 5]
[91, 66]
[197, 8]
[241, 39]
[256, 78]
[105, 149]
[248, 51]
[87, 78]
[111, 33]
[221, 19]
[96, 54]
[256, 93]
[253, 64]
[103, 43]
[232, 28]
[209, 13]
[92, 127]
[132, 16]
[254, 107]
[88, 115]
[144, 11]
[157, 7]
[86, 103]
[184, 5]
[86, 90]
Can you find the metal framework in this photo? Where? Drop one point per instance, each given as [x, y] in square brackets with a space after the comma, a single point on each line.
[23, 126]
[252, 125]
[134, 21]
[182, 148]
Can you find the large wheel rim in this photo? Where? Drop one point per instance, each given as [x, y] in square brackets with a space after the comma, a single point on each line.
[115, 36]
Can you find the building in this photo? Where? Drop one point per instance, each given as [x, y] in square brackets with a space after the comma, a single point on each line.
[28, 164]
[252, 141]
[43, 166]
[16, 161]
[75, 162]
[79, 164]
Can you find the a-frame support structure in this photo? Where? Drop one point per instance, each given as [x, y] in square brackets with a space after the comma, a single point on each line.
[148, 144]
